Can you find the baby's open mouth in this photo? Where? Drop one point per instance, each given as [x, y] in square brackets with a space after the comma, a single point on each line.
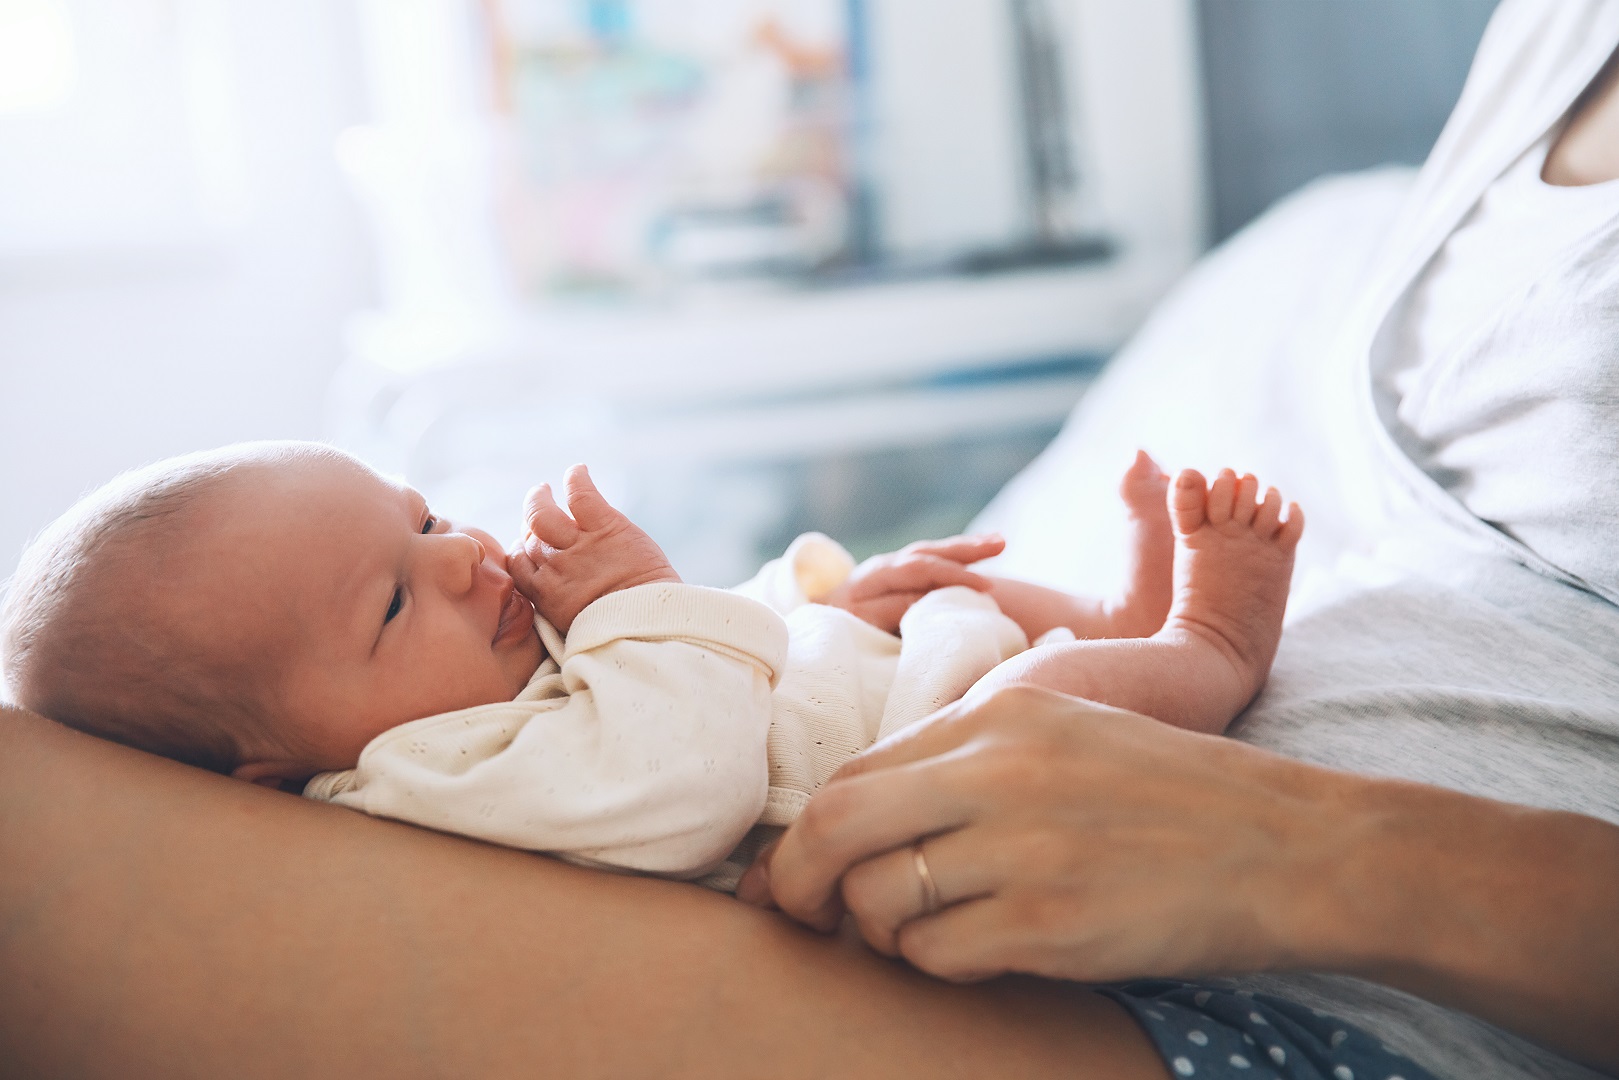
[516, 615]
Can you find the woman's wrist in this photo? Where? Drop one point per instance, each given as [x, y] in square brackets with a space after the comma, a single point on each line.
[1499, 910]
[1398, 866]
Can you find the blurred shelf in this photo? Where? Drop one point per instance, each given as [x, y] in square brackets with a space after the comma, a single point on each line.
[737, 343]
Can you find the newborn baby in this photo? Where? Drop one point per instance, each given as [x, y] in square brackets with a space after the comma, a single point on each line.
[282, 613]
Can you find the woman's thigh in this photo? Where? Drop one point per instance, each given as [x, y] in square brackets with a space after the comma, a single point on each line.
[158, 921]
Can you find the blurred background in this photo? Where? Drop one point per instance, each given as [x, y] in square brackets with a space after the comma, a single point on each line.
[767, 265]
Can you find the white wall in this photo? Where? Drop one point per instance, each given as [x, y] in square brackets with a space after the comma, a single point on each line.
[107, 362]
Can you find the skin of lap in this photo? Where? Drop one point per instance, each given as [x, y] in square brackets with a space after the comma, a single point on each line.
[158, 921]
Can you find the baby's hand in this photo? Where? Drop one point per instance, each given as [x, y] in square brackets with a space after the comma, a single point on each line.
[883, 588]
[572, 558]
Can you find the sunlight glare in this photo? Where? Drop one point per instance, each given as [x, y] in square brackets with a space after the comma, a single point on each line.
[37, 63]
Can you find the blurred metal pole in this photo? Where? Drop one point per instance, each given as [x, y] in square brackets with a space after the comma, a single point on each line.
[863, 243]
[1053, 175]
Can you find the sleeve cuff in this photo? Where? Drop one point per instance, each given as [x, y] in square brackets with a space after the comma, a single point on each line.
[674, 611]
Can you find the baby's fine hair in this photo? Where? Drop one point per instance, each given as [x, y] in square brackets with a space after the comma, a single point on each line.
[88, 640]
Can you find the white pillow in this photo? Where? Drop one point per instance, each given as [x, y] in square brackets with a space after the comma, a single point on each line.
[1235, 368]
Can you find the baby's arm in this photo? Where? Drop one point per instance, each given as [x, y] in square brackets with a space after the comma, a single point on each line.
[572, 558]
[645, 748]
[881, 589]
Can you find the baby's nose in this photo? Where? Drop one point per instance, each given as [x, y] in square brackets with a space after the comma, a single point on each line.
[491, 546]
[471, 547]
[456, 557]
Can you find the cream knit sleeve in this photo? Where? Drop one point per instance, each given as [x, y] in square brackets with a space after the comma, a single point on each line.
[645, 750]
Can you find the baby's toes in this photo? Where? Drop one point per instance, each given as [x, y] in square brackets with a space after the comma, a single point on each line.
[1268, 514]
[1287, 538]
[1190, 502]
[1144, 484]
[1222, 494]
[1245, 500]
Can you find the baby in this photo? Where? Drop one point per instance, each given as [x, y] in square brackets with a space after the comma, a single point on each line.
[284, 614]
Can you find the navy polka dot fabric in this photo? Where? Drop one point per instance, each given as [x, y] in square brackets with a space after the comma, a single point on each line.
[1238, 1035]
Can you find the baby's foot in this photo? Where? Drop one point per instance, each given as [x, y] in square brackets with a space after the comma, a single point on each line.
[1149, 580]
[1232, 571]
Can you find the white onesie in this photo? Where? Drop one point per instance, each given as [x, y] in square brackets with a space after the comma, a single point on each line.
[674, 719]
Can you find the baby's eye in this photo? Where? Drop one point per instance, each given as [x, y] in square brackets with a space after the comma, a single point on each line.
[429, 524]
[394, 605]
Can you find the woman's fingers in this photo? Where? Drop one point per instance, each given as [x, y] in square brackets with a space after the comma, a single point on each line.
[547, 521]
[813, 884]
[888, 891]
[949, 729]
[1061, 838]
[851, 821]
[960, 768]
[928, 779]
[964, 943]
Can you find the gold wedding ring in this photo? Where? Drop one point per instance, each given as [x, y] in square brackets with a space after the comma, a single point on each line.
[930, 891]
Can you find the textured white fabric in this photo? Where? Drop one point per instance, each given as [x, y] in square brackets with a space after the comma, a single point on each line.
[1509, 434]
[1422, 642]
[1514, 233]
[675, 718]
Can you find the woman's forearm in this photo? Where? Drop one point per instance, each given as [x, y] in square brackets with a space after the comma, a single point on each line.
[1506, 912]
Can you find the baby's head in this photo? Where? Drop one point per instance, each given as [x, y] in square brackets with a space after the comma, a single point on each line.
[263, 610]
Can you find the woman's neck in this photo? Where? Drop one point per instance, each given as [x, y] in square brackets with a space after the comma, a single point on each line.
[1587, 152]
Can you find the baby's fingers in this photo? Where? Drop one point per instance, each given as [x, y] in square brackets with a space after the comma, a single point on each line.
[961, 549]
[915, 573]
[548, 521]
[523, 570]
[585, 502]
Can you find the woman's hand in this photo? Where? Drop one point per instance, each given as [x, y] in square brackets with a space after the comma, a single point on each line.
[1076, 841]
[883, 588]
[1064, 838]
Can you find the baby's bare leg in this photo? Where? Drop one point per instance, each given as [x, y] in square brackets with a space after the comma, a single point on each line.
[1233, 565]
[1149, 583]
[1148, 589]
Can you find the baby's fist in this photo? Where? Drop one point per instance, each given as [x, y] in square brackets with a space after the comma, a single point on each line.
[883, 588]
[571, 558]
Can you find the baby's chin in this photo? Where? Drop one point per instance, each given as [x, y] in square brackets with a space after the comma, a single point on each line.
[529, 653]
